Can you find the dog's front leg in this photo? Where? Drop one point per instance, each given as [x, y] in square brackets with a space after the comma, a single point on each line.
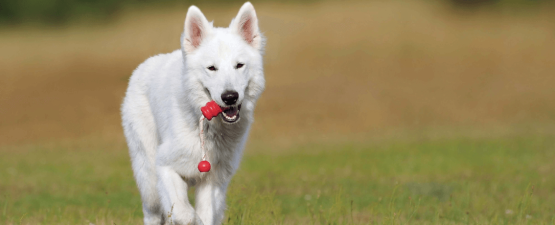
[173, 194]
[210, 202]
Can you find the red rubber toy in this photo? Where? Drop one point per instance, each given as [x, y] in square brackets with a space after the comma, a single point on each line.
[211, 109]
[204, 166]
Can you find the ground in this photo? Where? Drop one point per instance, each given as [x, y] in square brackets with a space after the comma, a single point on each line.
[506, 180]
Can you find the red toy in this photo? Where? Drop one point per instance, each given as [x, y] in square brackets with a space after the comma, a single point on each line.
[204, 166]
[211, 109]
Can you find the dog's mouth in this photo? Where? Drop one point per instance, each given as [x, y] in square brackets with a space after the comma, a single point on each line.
[230, 114]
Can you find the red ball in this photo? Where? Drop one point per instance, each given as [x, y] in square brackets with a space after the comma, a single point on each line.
[203, 166]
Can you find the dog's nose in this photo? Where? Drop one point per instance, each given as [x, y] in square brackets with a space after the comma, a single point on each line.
[230, 97]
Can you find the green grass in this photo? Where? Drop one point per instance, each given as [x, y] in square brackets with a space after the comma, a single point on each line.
[450, 181]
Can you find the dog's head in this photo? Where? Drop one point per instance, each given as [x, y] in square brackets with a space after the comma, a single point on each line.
[226, 63]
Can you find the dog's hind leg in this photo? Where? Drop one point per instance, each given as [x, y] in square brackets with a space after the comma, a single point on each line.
[140, 131]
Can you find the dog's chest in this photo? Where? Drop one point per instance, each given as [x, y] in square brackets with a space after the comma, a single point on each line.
[223, 143]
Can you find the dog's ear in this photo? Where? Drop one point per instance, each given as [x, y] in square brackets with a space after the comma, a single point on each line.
[246, 25]
[197, 28]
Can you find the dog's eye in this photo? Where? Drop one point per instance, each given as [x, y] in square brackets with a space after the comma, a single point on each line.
[239, 65]
[212, 68]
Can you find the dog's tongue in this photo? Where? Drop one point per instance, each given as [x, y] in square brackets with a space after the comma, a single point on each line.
[231, 111]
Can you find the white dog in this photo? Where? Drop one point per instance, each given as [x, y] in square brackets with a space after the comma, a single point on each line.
[161, 112]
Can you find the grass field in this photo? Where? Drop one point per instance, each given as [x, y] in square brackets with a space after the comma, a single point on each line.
[375, 112]
[506, 180]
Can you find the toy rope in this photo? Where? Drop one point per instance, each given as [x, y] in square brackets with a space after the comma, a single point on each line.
[201, 122]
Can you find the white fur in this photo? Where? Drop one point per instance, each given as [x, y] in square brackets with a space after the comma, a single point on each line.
[161, 110]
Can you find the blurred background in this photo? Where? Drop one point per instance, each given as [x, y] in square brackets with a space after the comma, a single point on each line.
[346, 74]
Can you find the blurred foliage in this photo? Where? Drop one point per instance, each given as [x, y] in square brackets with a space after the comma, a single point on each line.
[61, 11]
[55, 11]
[477, 3]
